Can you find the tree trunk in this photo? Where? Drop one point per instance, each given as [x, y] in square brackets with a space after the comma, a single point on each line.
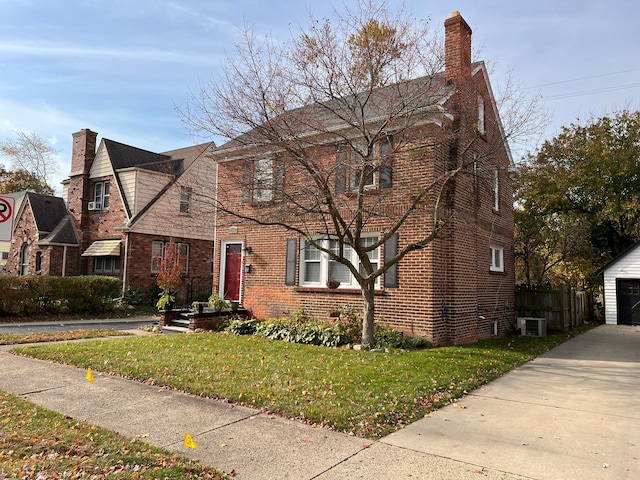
[368, 316]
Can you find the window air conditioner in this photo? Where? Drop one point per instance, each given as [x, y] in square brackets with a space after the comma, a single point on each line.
[532, 327]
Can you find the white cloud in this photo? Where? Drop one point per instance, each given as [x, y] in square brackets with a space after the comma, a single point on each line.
[73, 51]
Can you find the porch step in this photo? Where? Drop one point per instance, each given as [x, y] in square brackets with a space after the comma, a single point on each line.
[174, 329]
[180, 322]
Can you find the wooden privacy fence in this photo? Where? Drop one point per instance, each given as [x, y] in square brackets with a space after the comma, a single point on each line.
[563, 307]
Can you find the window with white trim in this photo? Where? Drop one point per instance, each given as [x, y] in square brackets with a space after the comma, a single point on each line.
[351, 167]
[496, 259]
[101, 195]
[185, 199]
[24, 259]
[359, 169]
[317, 267]
[496, 190]
[481, 125]
[263, 180]
[158, 252]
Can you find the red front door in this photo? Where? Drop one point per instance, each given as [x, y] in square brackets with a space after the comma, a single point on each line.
[232, 266]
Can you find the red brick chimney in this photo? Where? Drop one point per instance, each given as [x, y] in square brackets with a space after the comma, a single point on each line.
[457, 47]
[79, 194]
[84, 151]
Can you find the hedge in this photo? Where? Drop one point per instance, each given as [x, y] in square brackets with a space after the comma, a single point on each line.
[44, 294]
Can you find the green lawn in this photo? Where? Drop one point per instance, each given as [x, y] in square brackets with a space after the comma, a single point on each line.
[367, 393]
[37, 443]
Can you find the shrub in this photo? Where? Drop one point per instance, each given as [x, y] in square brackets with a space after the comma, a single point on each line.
[301, 328]
[240, 326]
[133, 296]
[48, 294]
[417, 343]
[387, 338]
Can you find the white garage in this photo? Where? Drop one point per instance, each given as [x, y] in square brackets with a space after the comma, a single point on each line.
[622, 288]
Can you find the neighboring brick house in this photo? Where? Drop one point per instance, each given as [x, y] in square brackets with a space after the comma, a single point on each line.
[123, 205]
[458, 289]
[44, 239]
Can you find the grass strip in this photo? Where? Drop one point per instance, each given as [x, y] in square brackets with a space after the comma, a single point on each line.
[38, 337]
[38, 443]
[369, 394]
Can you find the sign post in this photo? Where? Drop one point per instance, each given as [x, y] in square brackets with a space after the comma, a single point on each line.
[7, 207]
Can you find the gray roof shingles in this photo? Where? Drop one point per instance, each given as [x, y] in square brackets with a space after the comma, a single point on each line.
[47, 210]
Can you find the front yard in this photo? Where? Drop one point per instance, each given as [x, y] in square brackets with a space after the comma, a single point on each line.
[368, 394]
[36, 443]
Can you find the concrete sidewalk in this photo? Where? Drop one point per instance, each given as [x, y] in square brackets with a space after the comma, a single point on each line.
[569, 414]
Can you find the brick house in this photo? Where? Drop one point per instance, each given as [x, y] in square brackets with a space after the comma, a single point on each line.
[44, 239]
[458, 289]
[121, 205]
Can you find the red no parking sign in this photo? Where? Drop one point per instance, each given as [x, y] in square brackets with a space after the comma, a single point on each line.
[7, 206]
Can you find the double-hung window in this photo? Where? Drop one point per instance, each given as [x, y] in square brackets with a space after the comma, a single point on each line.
[263, 180]
[496, 190]
[24, 259]
[372, 254]
[481, 118]
[318, 267]
[101, 195]
[185, 199]
[496, 259]
[361, 168]
[159, 251]
[374, 172]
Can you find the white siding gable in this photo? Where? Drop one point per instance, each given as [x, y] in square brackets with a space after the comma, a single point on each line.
[139, 186]
[626, 267]
[165, 211]
[101, 166]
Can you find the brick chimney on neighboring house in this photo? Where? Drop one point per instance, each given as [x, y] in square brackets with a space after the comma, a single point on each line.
[457, 47]
[83, 153]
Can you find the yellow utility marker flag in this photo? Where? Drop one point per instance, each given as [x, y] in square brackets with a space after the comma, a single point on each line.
[90, 376]
[188, 441]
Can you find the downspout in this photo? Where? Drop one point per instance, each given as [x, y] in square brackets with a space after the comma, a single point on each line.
[215, 230]
[126, 263]
[64, 261]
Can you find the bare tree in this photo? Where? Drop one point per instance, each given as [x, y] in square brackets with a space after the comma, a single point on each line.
[31, 153]
[369, 85]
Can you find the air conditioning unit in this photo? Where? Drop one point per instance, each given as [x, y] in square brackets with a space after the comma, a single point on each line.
[95, 206]
[532, 327]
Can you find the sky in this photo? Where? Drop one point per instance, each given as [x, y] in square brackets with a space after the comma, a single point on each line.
[121, 67]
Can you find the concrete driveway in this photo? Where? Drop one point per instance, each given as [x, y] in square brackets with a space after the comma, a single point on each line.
[573, 413]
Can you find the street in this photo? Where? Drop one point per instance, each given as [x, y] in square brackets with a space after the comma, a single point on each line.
[116, 324]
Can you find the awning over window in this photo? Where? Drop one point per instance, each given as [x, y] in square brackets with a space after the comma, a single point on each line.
[103, 248]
